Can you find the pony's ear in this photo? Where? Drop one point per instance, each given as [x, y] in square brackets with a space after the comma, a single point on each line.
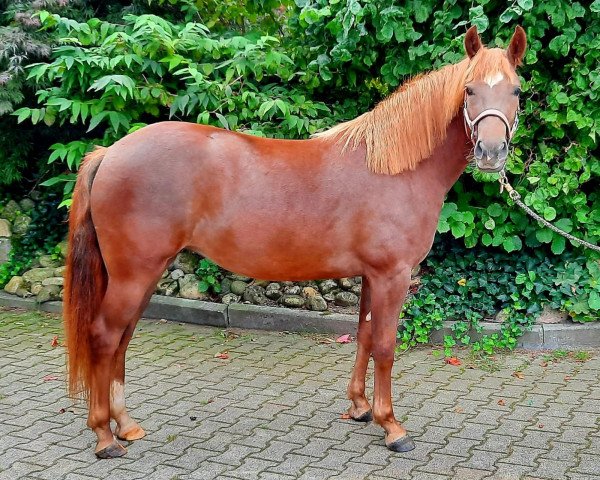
[516, 48]
[472, 42]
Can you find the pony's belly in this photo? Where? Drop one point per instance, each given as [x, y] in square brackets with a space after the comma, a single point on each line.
[278, 263]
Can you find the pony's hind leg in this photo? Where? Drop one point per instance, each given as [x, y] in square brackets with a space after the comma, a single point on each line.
[360, 410]
[122, 305]
[127, 428]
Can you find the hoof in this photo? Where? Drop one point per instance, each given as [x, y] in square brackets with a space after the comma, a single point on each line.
[365, 417]
[114, 450]
[402, 445]
[134, 433]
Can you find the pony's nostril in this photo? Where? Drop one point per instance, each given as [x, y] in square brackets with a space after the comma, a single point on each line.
[503, 147]
[478, 152]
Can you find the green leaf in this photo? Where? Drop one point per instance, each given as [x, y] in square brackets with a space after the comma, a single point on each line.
[494, 210]
[595, 6]
[458, 230]
[558, 245]
[549, 213]
[443, 225]
[512, 244]
[594, 300]
[265, 107]
[544, 235]
[525, 4]
[223, 121]
[490, 224]
[564, 224]
[521, 278]
[22, 114]
[96, 119]
[58, 179]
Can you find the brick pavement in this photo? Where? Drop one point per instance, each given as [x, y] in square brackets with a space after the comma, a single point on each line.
[272, 411]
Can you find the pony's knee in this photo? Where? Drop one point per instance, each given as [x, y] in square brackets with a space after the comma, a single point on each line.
[383, 353]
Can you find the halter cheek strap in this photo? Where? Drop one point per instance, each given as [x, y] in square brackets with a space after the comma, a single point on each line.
[471, 125]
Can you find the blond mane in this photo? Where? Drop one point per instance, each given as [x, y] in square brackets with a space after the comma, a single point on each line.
[406, 127]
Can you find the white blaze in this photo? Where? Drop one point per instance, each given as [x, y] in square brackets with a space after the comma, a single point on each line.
[493, 79]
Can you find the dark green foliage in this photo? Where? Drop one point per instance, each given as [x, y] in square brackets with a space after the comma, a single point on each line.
[363, 49]
[210, 276]
[475, 284]
[47, 228]
[288, 70]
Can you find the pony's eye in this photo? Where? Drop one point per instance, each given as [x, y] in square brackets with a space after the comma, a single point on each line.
[469, 90]
[517, 91]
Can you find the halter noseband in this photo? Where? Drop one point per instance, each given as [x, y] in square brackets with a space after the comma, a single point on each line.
[471, 125]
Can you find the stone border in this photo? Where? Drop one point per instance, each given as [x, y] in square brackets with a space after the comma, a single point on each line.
[239, 315]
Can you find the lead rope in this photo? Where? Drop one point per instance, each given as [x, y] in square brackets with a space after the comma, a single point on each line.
[516, 197]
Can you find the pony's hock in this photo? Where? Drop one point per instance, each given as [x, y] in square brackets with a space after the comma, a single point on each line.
[163, 188]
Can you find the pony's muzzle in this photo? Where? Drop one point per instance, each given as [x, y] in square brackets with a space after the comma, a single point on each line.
[491, 156]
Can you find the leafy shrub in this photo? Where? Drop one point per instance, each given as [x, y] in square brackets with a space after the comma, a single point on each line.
[325, 61]
[116, 78]
[47, 228]
[470, 285]
[210, 275]
[363, 49]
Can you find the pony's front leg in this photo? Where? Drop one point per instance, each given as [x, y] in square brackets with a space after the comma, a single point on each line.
[387, 296]
[360, 410]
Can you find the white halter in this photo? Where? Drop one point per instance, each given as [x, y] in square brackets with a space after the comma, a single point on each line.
[471, 125]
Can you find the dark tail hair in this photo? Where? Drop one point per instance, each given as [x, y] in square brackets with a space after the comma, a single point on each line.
[85, 278]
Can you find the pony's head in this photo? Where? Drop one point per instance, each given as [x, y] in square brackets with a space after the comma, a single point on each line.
[492, 98]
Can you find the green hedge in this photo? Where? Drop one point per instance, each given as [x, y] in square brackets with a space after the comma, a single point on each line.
[294, 70]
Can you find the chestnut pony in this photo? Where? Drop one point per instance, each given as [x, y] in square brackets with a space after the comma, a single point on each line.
[360, 199]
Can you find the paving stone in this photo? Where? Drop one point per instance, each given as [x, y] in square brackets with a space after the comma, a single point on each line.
[482, 460]
[272, 412]
[440, 464]
[588, 464]
[353, 471]
[553, 469]
[463, 473]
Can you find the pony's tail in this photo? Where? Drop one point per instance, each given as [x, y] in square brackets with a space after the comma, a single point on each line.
[85, 278]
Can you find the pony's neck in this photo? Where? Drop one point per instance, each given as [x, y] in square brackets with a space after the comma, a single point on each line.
[443, 168]
[409, 125]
